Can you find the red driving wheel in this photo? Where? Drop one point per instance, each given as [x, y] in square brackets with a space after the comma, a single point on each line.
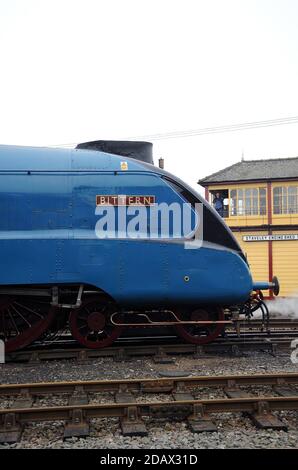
[91, 324]
[201, 333]
[23, 320]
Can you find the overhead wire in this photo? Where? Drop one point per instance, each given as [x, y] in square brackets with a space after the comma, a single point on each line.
[205, 130]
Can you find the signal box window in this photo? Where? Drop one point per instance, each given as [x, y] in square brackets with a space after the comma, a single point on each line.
[248, 201]
[285, 200]
[219, 199]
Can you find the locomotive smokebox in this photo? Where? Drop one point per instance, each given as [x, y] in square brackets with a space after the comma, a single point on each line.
[126, 148]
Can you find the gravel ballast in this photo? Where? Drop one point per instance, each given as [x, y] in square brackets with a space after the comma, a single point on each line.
[234, 430]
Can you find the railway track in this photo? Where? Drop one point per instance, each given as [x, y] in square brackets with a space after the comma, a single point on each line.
[160, 348]
[282, 323]
[135, 401]
[252, 336]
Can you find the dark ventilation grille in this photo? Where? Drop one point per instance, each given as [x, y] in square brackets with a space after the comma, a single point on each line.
[141, 151]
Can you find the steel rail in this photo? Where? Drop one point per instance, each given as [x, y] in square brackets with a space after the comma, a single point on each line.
[150, 408]
[148, 385]
[273, 322]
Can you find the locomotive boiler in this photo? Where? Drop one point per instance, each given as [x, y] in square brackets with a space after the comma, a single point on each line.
[68, 259]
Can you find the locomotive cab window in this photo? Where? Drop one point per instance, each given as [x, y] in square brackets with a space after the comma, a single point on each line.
[187, 195]
[214, 231]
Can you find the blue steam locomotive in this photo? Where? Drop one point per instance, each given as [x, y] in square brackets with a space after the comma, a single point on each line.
[67, 257]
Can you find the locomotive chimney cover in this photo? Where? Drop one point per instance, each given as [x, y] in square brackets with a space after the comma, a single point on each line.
[126, 148]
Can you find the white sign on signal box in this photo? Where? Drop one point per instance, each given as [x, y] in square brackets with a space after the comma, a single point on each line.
[267, 238]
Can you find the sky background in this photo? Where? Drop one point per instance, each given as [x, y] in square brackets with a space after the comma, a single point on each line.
[79, 70]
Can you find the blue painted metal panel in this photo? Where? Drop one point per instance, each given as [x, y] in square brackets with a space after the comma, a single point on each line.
[47, 233]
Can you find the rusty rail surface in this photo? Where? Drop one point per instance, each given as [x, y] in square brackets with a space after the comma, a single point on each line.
[105, 410]
[149, 385]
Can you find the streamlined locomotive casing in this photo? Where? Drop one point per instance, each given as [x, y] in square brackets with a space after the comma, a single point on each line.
[47, 232]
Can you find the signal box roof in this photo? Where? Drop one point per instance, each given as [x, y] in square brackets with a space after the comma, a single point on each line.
[255, 170]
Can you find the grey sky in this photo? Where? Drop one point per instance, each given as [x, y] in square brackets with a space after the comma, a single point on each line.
[77, 70]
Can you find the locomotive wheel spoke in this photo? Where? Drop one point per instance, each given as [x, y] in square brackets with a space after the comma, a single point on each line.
[200, 333]
[13, 322]
[20, 315]
[23, 321]
[28, 309]
[90, 324]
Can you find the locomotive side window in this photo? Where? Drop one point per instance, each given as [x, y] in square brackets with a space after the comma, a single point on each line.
[187, 195]
[214, 231]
